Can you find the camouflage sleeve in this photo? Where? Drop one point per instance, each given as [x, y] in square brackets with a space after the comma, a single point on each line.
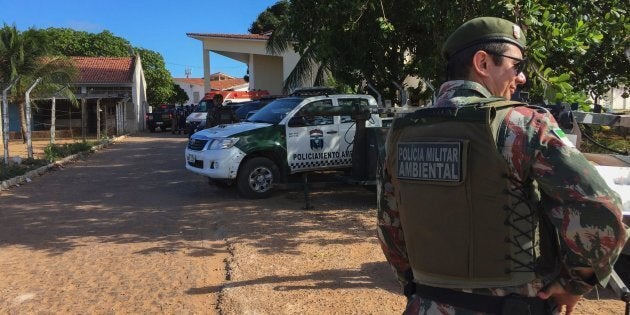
[584, 210]
[389, 229]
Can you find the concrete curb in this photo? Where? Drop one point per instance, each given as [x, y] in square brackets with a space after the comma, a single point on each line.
[15, 181]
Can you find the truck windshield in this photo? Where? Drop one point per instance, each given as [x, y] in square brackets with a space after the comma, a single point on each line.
[275, 111]
[203, 106]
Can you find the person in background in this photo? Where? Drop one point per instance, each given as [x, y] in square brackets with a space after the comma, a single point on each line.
[484, 206]
[219, 114]
[175, 120]
[181, 120]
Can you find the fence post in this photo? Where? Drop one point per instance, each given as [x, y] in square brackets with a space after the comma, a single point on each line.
[5, 120]
[53, 120]
[27, 98]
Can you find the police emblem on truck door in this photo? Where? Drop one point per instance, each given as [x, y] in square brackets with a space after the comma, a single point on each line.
[317, 139]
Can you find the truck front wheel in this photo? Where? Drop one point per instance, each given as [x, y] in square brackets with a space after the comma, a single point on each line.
[256, 178]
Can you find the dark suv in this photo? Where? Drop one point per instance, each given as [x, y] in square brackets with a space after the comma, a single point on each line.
[162, 117]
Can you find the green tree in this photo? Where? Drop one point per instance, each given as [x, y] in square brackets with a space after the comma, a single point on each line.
[377, 41]
[159, 80]
[269, 19]
[577, 46]
[69, 42]
[78, 43]
[25, 55]
[179, 96]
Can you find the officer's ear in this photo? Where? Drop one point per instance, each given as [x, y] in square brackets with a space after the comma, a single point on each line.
[480, 63]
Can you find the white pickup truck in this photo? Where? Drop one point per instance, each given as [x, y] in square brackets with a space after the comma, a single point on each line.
[278, 140]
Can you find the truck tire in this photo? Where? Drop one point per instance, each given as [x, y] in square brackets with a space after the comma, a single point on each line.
[256, 178]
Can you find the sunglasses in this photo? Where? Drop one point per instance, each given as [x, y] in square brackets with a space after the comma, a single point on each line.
[520, 64]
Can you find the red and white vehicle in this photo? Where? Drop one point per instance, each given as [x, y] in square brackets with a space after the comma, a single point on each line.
[201, 111]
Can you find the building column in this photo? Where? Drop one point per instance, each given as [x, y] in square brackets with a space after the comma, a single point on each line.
[83, 119]
[206, 71]
[250, 67]
[98, 119]
[611, 105]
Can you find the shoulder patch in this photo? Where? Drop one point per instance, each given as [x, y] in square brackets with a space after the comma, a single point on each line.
[563, 137]
[430, 161]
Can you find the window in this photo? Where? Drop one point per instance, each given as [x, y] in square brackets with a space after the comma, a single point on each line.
[351, 102]
[275, 111]
[315, 107]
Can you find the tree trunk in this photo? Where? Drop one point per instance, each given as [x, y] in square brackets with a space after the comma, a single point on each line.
[23, 121]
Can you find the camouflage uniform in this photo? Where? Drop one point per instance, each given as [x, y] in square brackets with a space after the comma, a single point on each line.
[585, 212]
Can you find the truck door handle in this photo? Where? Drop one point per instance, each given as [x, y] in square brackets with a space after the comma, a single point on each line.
[331, 132]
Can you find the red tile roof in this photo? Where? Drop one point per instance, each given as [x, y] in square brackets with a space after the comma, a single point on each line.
[234, 36]
[193, 81]
[104, 69]
[215, 84]
[226, 84]
[220, 76]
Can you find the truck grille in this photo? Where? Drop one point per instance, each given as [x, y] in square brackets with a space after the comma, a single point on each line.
[197, 164]
[196, 144]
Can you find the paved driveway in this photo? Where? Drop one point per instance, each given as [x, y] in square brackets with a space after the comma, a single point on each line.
[127, 230]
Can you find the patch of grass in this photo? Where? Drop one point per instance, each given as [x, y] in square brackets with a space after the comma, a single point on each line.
[13, 169]
[54, 152]
[614, 138]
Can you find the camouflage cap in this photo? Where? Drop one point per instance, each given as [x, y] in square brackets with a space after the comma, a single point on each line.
[483, 30]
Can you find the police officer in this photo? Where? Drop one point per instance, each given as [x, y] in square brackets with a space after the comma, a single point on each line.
[181, 122]
[219, 114]
[175, 120]
[484, 205]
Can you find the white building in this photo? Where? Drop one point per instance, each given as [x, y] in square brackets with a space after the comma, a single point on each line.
[112, 96]
[616, 102]
[266, 71]
[194, 87]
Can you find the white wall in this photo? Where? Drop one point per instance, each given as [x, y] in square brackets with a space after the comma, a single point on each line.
[267, 72]
[190, 90]
[134, 119]
[616, 101]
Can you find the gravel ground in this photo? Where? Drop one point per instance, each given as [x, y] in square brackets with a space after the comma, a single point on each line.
[128, 230]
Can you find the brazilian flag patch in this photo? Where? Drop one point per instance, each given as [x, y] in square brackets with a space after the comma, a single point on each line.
[563, 137]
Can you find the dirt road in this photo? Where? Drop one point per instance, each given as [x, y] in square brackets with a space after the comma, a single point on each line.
[129, 230]
[124, 230]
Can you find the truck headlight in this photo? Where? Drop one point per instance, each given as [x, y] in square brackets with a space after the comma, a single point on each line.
[222, 143]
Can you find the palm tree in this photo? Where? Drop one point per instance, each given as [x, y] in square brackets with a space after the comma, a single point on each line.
[24, 54]
[280, 40]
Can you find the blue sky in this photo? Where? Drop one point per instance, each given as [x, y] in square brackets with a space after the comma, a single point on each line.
[158, 25]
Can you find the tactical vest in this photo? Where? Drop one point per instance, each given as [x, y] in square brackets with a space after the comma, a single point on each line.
[463, 225]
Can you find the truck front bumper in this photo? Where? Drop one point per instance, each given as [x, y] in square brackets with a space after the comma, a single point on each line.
[215, 164]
